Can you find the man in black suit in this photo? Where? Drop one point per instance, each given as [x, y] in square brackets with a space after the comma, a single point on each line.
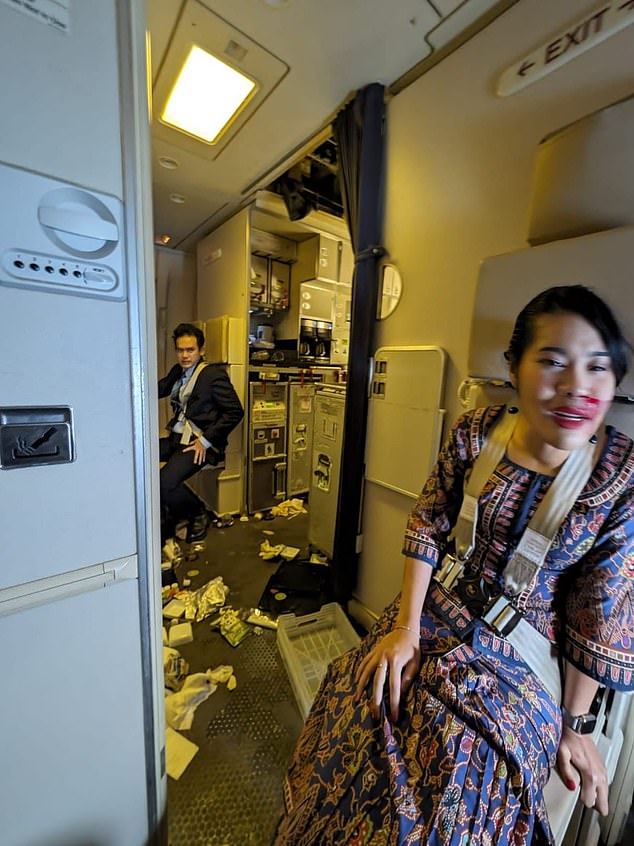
[206, 408]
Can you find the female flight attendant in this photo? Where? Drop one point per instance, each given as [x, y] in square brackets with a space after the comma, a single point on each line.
[443, 726]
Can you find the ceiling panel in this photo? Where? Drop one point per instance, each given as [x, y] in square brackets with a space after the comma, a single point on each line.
[331, 48]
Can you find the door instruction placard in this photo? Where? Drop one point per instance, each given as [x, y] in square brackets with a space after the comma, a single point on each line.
[55, 13]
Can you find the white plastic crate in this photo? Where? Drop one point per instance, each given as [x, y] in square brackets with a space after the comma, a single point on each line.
[308, 644]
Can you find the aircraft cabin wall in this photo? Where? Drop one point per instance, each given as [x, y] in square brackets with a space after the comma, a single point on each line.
[175, 279]
[459, 171]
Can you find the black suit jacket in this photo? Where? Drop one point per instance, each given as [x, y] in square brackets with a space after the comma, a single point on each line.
[213, 404]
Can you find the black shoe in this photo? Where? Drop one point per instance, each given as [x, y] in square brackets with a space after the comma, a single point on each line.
[197, 529]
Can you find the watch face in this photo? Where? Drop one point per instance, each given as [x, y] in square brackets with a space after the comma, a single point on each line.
[582, 723]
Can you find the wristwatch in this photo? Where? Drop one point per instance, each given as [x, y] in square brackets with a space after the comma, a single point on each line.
[582, 723]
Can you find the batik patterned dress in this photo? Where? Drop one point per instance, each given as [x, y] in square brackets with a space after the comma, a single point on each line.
[477, 736]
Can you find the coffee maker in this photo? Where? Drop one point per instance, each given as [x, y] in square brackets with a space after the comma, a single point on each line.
[315, 340]
[323, 341]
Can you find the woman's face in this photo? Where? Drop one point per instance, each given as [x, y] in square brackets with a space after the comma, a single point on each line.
[565, 382]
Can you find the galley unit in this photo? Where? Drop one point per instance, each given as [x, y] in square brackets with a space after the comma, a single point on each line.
[257, 269]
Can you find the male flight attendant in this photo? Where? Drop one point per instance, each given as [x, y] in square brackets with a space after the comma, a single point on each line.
[206, 408]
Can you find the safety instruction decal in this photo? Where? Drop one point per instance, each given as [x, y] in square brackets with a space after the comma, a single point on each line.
[55, 13]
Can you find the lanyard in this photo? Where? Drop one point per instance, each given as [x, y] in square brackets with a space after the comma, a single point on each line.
[538, 536]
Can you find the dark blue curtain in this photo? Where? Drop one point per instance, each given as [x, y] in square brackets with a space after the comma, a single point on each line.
[359, 132]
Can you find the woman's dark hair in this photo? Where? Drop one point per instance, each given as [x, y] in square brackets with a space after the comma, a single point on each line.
[184, 329]
[574, 299]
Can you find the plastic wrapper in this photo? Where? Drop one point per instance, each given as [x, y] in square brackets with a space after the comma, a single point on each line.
[200, 603]
[232, 625]
[259, 618]
[175, 668]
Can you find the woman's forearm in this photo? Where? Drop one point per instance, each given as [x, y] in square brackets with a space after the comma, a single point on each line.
[416, 578]
[579, 690]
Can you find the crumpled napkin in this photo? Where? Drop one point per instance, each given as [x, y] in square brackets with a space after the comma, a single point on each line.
[180, 707]
[289, 508]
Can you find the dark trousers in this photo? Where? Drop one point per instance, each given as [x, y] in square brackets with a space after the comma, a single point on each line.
[178, 502]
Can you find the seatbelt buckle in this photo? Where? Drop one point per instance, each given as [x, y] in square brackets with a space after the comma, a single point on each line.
[501, 616]
[451, 569]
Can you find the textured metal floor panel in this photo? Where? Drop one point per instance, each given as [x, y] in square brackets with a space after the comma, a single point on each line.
[231, 793]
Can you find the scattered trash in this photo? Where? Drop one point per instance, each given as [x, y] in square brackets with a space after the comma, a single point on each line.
[289, 508]
[175, 668]
[181, 706]
[181, 532]
[187, 582]
[180, 633]
[231, 625]
[318, 558]
[198, 547]
[174, 609]
[204, 601]
[172, 552]
[225, 521]
[259, 618]
[244, 518]
[169, 592]
[267, 532]
[257, 515]
[193, 573]
[268, 552]
[179, 752]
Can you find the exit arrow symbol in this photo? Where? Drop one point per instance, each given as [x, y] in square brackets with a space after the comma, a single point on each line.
[526, 66]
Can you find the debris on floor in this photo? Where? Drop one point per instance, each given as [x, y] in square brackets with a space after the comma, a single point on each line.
[318, 558]
[174, 609]
[224, 521]
[172, 551]
[231, 625]
[289, 508]
[180, 706]
[268, 551]
[259, 618]
[175, 668]
[204, 601]
[180, 633]
[179, 752]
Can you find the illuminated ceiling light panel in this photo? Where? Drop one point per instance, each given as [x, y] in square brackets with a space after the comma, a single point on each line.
[206, 97]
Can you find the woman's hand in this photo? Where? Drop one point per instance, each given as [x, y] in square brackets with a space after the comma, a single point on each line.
[395, 658]
[578, 755]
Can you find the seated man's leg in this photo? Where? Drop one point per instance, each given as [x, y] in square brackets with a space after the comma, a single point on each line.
[177, 500]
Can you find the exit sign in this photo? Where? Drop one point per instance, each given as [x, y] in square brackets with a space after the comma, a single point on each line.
[593, 28]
